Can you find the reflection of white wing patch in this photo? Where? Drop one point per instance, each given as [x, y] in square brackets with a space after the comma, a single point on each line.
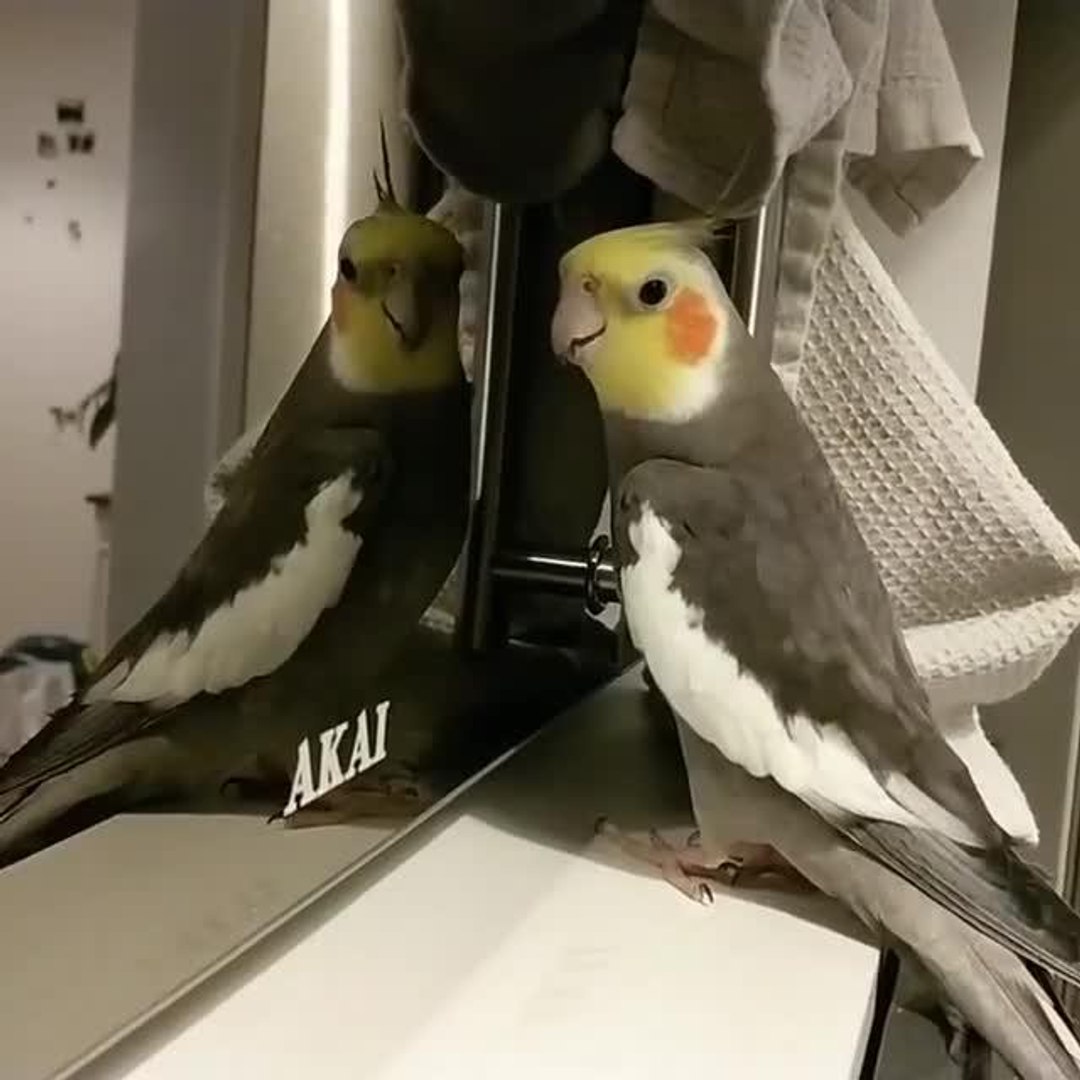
[728, 707]
[262, 625]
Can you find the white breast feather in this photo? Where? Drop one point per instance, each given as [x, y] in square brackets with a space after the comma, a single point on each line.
[732, 710]
[264, 623]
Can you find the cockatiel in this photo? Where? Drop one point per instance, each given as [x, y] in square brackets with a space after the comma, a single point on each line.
[335, 533]
[763, 622]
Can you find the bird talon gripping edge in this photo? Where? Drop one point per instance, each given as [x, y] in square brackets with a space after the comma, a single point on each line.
[763, 622]
[744, 866]
[692, 880]
[394, 796]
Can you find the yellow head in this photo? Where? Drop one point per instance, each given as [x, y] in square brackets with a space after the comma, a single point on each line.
[395, 304]
[644, 314]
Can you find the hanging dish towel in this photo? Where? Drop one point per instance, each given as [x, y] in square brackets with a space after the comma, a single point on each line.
[985, 579]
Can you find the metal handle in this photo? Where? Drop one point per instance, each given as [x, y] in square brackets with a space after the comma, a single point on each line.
[757, 264]
[593, 577]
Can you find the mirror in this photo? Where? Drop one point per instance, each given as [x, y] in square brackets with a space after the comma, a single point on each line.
[152, 839]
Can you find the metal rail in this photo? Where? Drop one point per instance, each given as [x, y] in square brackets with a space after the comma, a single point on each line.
[492, 396]
[593, 577]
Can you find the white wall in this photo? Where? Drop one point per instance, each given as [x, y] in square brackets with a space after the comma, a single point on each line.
[194, 139]
[1029, 384]
[59, 300]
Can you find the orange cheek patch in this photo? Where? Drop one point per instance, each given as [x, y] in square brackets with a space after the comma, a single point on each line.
[691, 327]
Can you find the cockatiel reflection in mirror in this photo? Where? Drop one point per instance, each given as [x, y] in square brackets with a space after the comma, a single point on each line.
[334, 534]
[764, 624]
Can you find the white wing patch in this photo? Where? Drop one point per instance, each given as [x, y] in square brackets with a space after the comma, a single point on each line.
[262, 625]
[728, 707]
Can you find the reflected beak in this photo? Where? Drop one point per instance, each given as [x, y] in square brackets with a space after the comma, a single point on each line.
[576, 324]
[405, 311]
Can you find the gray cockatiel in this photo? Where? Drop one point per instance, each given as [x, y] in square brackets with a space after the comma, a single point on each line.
[335, 533]
[764, 624]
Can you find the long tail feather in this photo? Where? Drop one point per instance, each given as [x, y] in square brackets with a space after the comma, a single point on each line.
[388, 179]
[74, 735]
[995, 892]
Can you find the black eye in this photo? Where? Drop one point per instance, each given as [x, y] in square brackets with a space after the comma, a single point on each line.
[653, 291]
[347, 268]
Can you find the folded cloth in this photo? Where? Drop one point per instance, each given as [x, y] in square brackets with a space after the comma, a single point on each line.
[925, 145]
[515, 100]
[723, 95]
[921, 150]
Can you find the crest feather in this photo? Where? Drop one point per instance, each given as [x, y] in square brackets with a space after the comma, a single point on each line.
[697, 234]
[384, 187]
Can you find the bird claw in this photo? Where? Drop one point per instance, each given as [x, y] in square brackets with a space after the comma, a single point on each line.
[744, 866]
[398, 796]
[656, 852]
[759, 866]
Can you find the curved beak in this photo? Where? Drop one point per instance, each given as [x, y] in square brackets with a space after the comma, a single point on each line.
[404, 307]
[576, 324]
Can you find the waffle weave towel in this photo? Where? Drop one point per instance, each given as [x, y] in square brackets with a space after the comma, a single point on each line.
[985, 579]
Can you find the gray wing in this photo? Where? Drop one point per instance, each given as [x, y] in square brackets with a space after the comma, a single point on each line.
[786, 582]
[262, 518]
[764, 582]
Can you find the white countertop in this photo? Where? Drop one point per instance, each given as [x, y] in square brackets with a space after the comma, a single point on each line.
[501, 939]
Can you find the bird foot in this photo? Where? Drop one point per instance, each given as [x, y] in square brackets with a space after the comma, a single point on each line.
[398, 796]
[744, 865]
[761, 866]
[966, 1047]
